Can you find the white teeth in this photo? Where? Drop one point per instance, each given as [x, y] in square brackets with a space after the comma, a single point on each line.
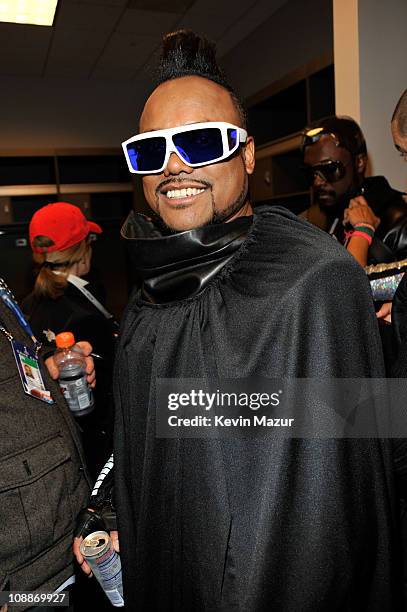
[183, 193]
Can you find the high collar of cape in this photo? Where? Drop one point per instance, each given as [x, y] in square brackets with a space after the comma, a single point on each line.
[180, 265]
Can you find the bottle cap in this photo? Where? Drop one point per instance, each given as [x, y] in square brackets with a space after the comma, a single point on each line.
[65, 339]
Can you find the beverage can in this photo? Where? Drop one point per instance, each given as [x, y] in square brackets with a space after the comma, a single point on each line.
[97, 548]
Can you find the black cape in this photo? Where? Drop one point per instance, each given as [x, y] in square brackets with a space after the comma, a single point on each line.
[242, 524]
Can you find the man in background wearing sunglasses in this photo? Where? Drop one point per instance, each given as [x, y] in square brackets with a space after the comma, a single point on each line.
[237, 523]
[335, 160]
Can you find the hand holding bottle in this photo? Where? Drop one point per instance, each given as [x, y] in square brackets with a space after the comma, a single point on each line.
[71, 363]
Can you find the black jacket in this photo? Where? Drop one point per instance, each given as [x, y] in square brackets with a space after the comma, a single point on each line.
[43, 484]
[295, 525]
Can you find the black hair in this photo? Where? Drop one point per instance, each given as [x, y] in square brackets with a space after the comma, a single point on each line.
[185, 53]
[400, 115]
[347, 131]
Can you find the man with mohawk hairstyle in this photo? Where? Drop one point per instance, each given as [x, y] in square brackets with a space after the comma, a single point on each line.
[229, 292]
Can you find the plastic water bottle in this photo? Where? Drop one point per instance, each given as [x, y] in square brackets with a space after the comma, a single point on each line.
[72, 375]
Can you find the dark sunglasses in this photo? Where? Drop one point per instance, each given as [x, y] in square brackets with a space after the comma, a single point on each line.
[330, 171]
[198, 144]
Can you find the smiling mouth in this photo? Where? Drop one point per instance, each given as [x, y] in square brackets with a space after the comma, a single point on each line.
[183, 193]
[325, 194]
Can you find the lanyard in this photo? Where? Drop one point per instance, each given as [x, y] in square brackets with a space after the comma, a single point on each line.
[8, 299]
[333, 227]
[74, 280]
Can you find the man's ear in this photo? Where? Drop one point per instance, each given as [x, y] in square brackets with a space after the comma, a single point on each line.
[361, 163]
[249, 155]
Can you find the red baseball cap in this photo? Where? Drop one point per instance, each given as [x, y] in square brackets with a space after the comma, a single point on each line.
[65, 224]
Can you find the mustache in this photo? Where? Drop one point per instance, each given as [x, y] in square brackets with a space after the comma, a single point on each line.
[179, 181]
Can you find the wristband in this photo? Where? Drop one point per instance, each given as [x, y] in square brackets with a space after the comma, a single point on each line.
[365, 227]
[363, 235]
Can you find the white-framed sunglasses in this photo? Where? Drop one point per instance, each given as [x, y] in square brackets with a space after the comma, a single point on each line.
[197, 144]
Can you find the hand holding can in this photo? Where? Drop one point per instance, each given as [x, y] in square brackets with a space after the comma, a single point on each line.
[102, 558]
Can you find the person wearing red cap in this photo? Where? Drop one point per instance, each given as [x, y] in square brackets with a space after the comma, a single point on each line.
[63, 300]
[59, 237]
[65, 225]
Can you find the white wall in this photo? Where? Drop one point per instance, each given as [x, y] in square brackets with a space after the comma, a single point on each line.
[383, 77]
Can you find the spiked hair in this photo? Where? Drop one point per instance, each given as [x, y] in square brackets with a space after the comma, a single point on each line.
[184, 53]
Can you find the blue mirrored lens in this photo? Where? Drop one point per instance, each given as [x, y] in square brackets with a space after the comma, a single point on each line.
[147, 155]
[232, 138]
[199, 146]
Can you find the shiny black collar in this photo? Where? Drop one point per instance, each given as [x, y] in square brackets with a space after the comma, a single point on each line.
[179, 266]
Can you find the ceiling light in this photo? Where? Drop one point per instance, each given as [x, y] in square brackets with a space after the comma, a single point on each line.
[34, 12]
